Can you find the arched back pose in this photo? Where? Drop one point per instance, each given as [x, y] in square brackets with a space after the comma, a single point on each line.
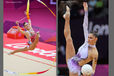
[87, 52]
[33, 38]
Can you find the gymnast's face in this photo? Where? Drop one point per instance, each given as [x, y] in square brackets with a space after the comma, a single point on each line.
[26, 26]
[92, 39]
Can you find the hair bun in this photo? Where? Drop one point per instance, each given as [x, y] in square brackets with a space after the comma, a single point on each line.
[95, 33]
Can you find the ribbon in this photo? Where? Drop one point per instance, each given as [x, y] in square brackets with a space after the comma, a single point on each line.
[47, 7]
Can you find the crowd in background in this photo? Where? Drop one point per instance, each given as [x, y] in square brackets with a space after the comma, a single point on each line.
[97, 8]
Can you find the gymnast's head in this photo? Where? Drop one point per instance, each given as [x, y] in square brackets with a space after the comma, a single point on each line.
[92, 38]
[26, 25]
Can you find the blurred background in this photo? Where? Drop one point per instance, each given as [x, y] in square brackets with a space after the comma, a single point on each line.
[98, 20]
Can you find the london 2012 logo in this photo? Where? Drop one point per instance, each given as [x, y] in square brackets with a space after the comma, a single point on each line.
[53, 2]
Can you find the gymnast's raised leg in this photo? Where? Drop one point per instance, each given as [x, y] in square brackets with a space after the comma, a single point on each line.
[70, 51]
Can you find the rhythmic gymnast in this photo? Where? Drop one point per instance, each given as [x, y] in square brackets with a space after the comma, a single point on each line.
[33, 38]
[87, 52]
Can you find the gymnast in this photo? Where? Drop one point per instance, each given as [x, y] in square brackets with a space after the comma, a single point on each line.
[33, 38]
[87, 52]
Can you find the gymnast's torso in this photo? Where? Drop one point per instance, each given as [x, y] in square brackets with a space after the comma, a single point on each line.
[92, 53]
[31, 32]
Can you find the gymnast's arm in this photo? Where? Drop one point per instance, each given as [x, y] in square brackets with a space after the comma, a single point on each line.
[94, 62]
[19, 29]
[85, 23]
[29, 20]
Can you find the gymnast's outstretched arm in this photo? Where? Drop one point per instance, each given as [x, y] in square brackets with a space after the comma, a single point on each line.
[85, 28]
[85, 23]
[19, 29]
[29, 20]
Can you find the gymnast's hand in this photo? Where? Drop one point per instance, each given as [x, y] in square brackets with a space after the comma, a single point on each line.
[93, 72]
[85, 5]
[66, 16]
[17, 23]
[26, 13]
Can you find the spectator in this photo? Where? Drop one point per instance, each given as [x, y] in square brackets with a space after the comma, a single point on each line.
[91, 4]
[98, 7]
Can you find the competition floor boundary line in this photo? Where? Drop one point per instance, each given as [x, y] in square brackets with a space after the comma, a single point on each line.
[32, 60]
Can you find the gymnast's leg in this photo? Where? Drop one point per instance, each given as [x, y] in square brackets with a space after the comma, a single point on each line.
[70, 51]
[31, 47]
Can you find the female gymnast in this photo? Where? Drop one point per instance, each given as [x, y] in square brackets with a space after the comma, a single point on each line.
[33, 38]
[87, 52]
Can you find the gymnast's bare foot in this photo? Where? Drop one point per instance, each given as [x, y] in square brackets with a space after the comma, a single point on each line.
[10, 53]
[67, 14]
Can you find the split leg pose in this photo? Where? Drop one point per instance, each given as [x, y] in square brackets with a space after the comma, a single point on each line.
[86, 53]
[33, 38]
